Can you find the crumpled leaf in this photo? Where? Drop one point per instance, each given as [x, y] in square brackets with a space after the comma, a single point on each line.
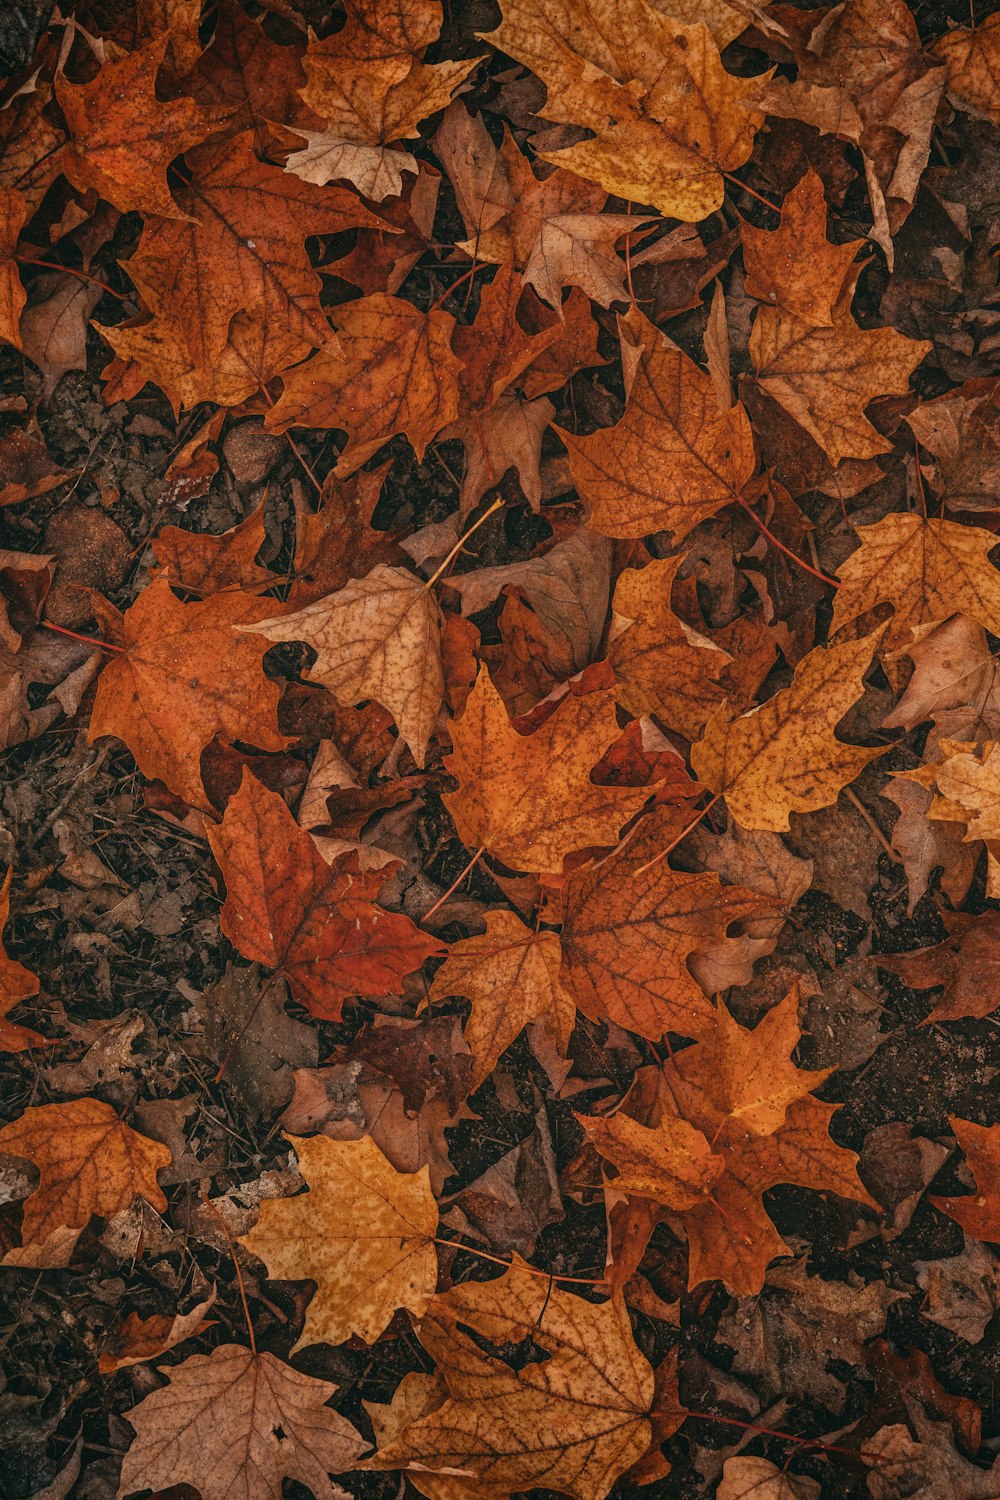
[234, 1422]
[313, 922]
[364, 1233]
[511, 975]
[141, 1339]
[571, 1423]
[90, 1162]
[378, 637]
[187, 674]
[964, 963]
[784, 756]
[667, 118]
[675, 457]
[532, 822]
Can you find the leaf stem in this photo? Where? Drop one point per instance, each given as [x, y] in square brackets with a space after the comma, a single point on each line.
[455, 884]
[50, 265]
[239, 1274]
[88, 640]
[679, 838]
[775, 1432]
[432, 580]
[466, 276]
[816, 573]
[753, 192]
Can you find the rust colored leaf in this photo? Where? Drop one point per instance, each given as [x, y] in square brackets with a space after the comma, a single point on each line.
[142, 1339]
[13, 212]
[364, 1233]
[122, 138]
[675, 457]
[89, 1161]
[397, 374]
[511, 975]
[313, 922]
[978, 1213]
[629, 931]
[965, 963]
[529, 821]
[187, 674]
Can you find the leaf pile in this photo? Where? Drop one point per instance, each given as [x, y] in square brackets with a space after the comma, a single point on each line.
[501, 824]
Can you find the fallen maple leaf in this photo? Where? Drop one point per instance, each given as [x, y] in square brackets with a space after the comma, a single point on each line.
[123, 138]
[208, 564]
[528, 820]
[237, 262]
[927, 569]
[371, 89]
[667, 119]
[397, 374]
[741, 1094]
[675, 457]
[964, 963]
[511, 975]
[571, 1422]
[313, 922]
[630, 925]
[89, 1161]
[784, 756]
[795, 267]
[978, 1213]
[378, 637]
[141, 1339]
[364, 1233]
[16, 984]
[759, 1479]
[235, 1422]
[807, 351]
[186, 675]
[247, 77]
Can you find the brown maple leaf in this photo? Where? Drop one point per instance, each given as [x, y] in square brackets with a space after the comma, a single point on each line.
[237, 1422]
[313, 922]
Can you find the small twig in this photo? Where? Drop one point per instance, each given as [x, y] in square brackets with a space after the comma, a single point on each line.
[50, 265]
[239, 1274]
[860, 808]
[816, 572]
[456, 883]
[432, 580]
[680, 837]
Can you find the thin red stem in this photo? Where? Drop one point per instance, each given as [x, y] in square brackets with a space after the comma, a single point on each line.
[479, 266]
[753, 192]
[816, 573]
[50, 265]
[239, 1274]
[788, 1437]
[88, 640]
[455, 884]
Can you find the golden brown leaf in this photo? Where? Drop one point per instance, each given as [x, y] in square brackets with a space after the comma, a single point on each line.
[571, 1423]
[674, 458]
[529, 798]
[123, 138]
[398, 374]
[667, 118]
[379, 637]
[674, 1164]
[89, 1162]
[312, 921]
[784, 756]
[187, 674]
[971, 56]
[237, 1423]
[927, 569]
[511, 975]
[13, 212]
[795, 267]
[628, 932]
[364, 1233]
[141, 1339]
